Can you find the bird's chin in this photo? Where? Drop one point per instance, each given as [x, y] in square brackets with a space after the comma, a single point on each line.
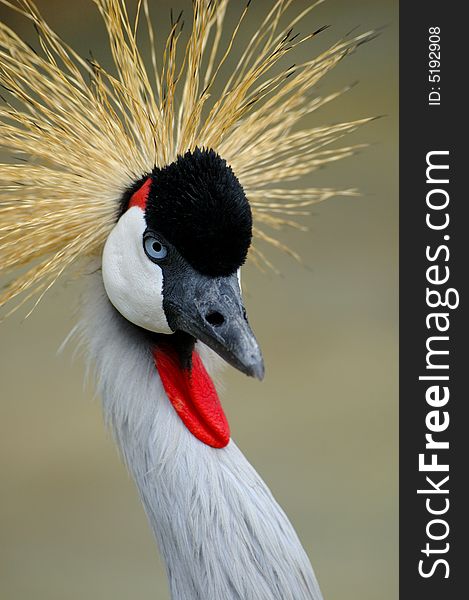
[180, 343]
[183, 344]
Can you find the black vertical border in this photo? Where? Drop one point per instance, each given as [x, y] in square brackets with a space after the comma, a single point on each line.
[424, 128]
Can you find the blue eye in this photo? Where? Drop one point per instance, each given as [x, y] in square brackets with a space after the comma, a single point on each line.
[154, 249]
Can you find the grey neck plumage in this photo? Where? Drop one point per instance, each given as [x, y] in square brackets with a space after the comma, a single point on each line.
[221, 533]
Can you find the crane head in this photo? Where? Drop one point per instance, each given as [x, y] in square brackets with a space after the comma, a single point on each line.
[171, 264]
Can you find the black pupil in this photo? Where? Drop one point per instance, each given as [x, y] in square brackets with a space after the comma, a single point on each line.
[156, 246]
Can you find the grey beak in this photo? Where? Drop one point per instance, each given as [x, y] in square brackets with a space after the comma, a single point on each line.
[211, 310]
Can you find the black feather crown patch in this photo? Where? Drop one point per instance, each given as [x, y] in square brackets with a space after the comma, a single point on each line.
[198, 205]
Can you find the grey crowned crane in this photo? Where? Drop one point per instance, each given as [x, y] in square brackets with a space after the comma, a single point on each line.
[153, 185]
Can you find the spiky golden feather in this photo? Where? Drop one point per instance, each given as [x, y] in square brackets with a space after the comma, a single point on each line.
[65, 121]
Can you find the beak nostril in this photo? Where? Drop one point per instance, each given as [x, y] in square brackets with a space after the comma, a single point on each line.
[215, 318]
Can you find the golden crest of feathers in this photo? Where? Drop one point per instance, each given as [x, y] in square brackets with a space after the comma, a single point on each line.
[65, 121]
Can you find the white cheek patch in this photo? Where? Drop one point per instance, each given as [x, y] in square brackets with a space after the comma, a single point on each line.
[133, 283]
[238, 273]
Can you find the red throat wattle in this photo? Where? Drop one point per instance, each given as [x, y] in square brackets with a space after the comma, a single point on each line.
[193, 395]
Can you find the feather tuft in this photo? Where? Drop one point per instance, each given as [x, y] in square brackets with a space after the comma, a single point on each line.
[65, 121]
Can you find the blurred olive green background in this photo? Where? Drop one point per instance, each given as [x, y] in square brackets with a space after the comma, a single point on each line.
[321, 428]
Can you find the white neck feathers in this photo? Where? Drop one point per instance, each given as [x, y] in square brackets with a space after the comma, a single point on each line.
[220, 531]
